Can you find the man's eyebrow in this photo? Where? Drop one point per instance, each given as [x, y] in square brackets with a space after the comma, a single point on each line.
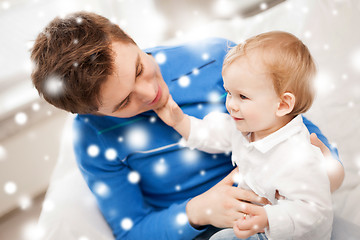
[137, 64]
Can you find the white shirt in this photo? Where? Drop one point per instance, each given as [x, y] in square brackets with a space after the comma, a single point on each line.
[284, 161]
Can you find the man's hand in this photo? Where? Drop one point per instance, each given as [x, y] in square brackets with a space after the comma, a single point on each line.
[223, 204]
[335, 170]
[253, 221]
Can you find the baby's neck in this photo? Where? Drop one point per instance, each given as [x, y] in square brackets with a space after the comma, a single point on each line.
[255, 136]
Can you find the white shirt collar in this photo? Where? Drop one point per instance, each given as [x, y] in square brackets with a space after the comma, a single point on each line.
[268, 142]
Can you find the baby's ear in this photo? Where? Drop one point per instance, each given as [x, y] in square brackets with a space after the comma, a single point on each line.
[286, 104]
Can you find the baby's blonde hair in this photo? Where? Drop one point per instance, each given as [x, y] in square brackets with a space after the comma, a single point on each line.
[288, 62]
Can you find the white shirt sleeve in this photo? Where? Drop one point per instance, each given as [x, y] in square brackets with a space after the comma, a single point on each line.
[306, 212]
[212, 134]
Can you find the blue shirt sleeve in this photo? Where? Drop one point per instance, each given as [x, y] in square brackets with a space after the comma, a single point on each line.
[314, 129]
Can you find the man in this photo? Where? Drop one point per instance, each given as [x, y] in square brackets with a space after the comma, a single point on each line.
[146, 184]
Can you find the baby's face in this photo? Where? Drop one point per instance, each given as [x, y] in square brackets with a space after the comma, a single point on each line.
[251, 99]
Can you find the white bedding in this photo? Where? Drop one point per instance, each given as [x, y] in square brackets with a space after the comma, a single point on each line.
[328, 27]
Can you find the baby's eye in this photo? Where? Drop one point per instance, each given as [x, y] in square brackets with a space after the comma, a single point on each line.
[243, 96]
[228, 93]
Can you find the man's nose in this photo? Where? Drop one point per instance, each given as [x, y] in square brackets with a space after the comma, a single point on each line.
[145, 91]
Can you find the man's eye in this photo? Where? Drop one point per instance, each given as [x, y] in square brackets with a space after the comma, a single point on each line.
[140, 71]
[125, 104]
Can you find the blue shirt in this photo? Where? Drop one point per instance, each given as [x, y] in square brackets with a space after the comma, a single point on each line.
[141, 177]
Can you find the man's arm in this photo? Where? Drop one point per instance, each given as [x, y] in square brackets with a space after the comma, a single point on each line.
[335, 169]
[122, 201]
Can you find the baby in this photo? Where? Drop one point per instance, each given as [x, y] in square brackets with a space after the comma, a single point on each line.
[268, 80]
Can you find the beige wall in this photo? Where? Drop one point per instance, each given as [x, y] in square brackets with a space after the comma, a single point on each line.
[31, 154]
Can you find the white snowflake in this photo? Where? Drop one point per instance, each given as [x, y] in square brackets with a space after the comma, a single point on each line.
[83, 238]
[195, 71]
[123, 23]
[79, 20]
[113, 20]
[5, 5]
[355, 60]
[263, 6]
[178, 187]
[126, 224]
[101, 189]
[25, 202]
[3, 153]
[21, 118]
[184, 81]
[48, 205]
[10, 187]
[190, 156]
[152, 119]
[93, 150]
[137, 138]
[54, 86]
[208, 211]
[205, 56]
[357, 161]
[179, 33]
[305, 10]
[351, 104]
[110, 154]
[161, 167]
[160, 58]
[214, 97]
[307, 34]
[133, 177]
[223, 8]
[324, 83]
[238, 178]
[35, 107]
[32, 231]
[181, 219]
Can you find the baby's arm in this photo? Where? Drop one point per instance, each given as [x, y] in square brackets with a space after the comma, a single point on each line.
[173, 116]
[306, 209]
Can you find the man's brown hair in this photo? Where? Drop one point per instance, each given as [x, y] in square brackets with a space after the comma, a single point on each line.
[72, 58]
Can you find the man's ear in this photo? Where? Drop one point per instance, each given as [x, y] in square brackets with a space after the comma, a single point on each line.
[286, 104]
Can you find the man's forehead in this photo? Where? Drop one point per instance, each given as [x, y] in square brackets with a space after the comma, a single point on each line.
[120, 82]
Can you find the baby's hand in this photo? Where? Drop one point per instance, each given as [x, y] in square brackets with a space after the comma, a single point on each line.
[170, 113]
[251, 223]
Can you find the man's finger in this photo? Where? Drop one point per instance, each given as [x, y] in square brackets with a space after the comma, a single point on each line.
[250, 196]
[250, 209]
[318, 143]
